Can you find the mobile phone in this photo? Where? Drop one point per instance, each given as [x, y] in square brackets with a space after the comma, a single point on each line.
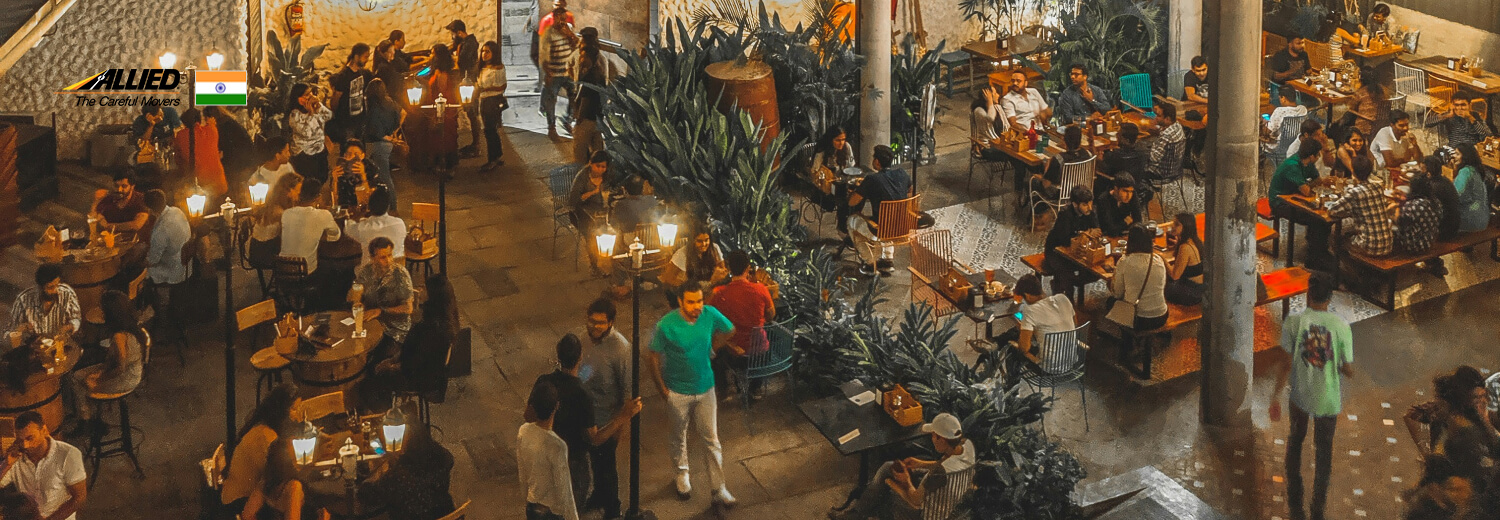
[1266, 117]
[1018, 316]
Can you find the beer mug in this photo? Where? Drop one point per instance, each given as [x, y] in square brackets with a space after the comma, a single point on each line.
[356, 292]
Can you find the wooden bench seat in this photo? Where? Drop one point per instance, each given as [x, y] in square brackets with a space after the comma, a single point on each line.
[1036, 262]
[1386, 268]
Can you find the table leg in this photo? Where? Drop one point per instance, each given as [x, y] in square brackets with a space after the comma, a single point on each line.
[971, 74]
[1291, 242]
[864, 477]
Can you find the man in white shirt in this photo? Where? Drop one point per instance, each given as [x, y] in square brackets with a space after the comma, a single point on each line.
[1041, 315]
[914, 483]
[379, 224]
[1023, 104]
[280, 162]
[542, 461]
[48, 470]
[1395, 145]
[164, 257]
[304, 227]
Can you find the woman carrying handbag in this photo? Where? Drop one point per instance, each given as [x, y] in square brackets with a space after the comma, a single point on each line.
[1138, 300]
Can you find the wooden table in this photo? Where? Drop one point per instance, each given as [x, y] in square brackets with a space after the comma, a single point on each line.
[1019, 45]
[836, 416]
[337, 368]
[995, 317]
[1375, 53]
[1328, 97]
[1487, 84]
[327, 486]
[1262, 233]
[42, 389]
[88, 271]
[1489, 158]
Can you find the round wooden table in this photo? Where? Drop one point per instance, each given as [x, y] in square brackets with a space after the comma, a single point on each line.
[88, 272]
[42, 390]
[335, 368]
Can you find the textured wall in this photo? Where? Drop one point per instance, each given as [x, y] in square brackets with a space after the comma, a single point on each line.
[941, 19]
[1444, 38]
[341, 24]
[98, 34]
[623, 21]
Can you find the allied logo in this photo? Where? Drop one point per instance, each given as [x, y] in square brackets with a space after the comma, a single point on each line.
[128, 80]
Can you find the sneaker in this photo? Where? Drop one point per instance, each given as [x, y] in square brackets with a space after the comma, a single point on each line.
[723, 498]
[867, 270]
[885, 265]
[684, 485]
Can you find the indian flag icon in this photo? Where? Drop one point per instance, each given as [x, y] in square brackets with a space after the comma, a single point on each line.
[219, 87]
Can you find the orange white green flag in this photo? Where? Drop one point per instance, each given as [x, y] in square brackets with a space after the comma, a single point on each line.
[220, 87]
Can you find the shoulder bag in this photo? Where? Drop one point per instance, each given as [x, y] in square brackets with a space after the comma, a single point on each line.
[1123, 312]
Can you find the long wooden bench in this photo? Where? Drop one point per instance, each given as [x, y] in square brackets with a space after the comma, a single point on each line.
[1387, 268]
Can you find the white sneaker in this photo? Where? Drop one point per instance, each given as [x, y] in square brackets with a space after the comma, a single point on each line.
[684, 485]
[722, 496]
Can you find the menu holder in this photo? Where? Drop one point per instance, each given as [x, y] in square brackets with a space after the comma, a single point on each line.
[899, 404]
[1089, 247]
[286, 333]
[954, 285]
[420, 242]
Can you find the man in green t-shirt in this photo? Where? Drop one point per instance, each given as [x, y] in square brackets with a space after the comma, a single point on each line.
[1293, 178]
[1321, 348]
[681, 351]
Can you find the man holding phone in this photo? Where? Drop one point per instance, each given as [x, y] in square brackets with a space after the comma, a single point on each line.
[911, 483]
[48, 470]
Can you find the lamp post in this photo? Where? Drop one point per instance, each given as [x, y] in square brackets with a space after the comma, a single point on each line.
[228, 214]
[440, 104]
[666, 232]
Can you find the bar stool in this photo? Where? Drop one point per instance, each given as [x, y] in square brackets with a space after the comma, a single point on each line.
[124, 444]
[266, 361]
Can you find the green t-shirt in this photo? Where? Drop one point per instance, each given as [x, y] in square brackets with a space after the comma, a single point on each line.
[1319, 342]
[1289, 178]
[686, 349]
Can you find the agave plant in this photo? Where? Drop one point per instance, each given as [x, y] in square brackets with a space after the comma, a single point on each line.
[1112, 38]
[288, 66]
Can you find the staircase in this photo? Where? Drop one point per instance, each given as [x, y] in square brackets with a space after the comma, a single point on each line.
[23, 23]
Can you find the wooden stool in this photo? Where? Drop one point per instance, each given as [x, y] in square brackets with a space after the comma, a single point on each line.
[950, 61]
[1142, 344]
[269, 365]
[124, 444]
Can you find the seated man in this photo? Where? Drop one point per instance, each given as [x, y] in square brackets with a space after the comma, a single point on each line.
[1024, 105]
[278, 153]
[170, 233]
[1312, 130]
[123, 208]
[1081, 101]
[887, 184]
[1047, 186]
[748, 306]
[47, 470]
[1078, 216]
[1395, 145]
[1195, 82]
[1289, 63]
[49, 310]
[153, 128]
[1370, 210]
[304, 227]
[380, 223]
[913, 483]
[1040, 315]
[1128, 158]
[1288, 107]
[1292, 178]
[1167, 152]
[1463, 126]
[1119, 210]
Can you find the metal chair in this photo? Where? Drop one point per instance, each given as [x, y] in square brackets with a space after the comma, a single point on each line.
[559, 183]
[1291, 127]
[1079, 173]
[290, 283]
[423, 214]
[898, 218]
[940, 503]
[1135, 92]
[775, 359]
[1168, 172]
[242, 234]
[1063, 355]
[323, 406]
[976, 158]
[1412, 83]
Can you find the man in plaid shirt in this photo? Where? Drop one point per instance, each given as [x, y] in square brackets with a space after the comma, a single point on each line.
[1417, 223]
[1370, 210]
[1166, 152]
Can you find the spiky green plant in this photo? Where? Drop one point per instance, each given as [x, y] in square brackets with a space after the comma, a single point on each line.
[287, 66]
[1112, 38]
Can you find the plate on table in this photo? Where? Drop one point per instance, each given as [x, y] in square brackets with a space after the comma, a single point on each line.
[1329, 205]
[1405, 190]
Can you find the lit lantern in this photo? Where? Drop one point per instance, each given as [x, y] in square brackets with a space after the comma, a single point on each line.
[215, 61]
[606, 240]
[195, 204]
[167, 60]
[414, 95]
[393, 425]
[466, 93]
[304, 443]
[666, 233]
[258, 193]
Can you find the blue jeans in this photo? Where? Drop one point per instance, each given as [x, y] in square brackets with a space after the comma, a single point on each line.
[549, 97]
[380, 157]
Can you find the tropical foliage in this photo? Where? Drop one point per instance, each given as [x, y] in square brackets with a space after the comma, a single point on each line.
[911, 72]
[1112, 38]
[287, 66]
[1002, 18]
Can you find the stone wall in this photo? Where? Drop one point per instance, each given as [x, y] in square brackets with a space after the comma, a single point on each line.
[1444, 38]
[99, 34]
[341, 23]
[624, 21]
[941, 19]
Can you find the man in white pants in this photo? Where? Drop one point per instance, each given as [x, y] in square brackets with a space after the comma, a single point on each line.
[681, 351]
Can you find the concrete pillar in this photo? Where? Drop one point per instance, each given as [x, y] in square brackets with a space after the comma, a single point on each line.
[874, 40]
[1184, 34]
[1229, 305]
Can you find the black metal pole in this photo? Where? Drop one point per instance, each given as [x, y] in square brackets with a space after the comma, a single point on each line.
[635, 392]
[229, 330]
[443, 172]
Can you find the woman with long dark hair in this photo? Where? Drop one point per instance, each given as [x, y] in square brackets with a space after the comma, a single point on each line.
[1473, 191]
[1371, 107]
[443, 145]
[383, 124]
[307, 118]
[492, 102]
[1354, 146]
[281, 495]
[265, 233]
[1140, 280]
[390, 72]
[422, 363]
[415, 485]
[1185, 276]
[271, 420]
[1468, 439]
[124, 345]
[699, 261]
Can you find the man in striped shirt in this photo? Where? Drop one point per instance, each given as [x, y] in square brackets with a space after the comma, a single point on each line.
[559, 59]
[50, 309]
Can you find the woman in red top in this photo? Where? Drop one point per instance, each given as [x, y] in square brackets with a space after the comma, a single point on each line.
[198, 152]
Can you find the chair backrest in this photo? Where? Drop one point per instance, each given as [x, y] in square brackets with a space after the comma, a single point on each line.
[897, 219]
[1135, 89]
[7, 432]
[291, 266]
[1319, 55]
[932, 252]
[560, 181]
[1410, 79]
[323, 406]
[1271, 43]
[1062, 351]
[256, 314]
[425, 212]
[1479, 107]
[778, 355]
[457, 513]
[1079, 173]
[1291, 127]
[938, 504]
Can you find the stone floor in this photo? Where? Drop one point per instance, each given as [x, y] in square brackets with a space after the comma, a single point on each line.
[519, 296]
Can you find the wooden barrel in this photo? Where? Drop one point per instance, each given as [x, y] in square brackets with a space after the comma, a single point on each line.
[43, 392]
[318, 378]
[752, 88]
[90, 278]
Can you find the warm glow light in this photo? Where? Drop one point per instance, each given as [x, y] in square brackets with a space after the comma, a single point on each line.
[303, 444]
[606, 240]
[414, 95]
[258, 193]
[393, 425]
[466, 92]
[167, 60]
[215, 60]
[666, 233]
[195, 204]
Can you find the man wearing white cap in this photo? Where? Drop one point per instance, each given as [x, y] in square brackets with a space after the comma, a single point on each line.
[909, 482]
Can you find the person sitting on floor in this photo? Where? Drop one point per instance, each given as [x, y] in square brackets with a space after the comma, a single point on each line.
[913, 483]
[1120, 209]
[1371, 211]
[1078, 216]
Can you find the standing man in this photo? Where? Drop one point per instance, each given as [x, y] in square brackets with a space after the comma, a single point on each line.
[164, 257]
[605, 371]
[1081, 100]
[542, 460]
[47, 470]
[748, 305]
[349, 95]
[558, 52]
[1322, 349]
[49, 310]
[681, 349]
[466, 51]
[574, 419]
[1195, 82]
